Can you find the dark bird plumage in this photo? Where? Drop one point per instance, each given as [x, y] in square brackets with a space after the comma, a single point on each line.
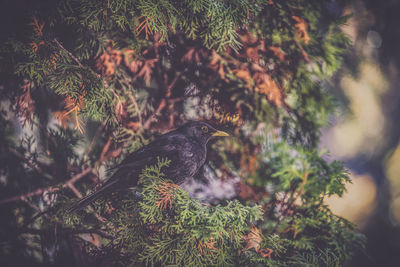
[185, 147]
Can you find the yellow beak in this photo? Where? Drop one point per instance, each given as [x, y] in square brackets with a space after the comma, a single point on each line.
[219, 133]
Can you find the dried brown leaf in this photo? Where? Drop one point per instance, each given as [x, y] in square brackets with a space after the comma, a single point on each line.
[72, 106]
[301, 28]
[267, 86]
[245, 75]
[253, 239]
[147, 70]
[278, 52]
[188, 57]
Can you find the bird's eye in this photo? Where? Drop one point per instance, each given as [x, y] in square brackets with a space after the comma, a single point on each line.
[204, 129]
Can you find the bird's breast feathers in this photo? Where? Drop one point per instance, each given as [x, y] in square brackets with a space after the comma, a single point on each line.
[187, 158]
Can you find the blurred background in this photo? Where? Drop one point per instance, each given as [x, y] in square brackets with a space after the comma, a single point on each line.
[365, 134]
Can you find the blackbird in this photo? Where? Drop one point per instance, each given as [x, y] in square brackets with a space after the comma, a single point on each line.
[185, 147]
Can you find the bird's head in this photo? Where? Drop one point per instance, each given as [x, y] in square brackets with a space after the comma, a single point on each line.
[201, 131]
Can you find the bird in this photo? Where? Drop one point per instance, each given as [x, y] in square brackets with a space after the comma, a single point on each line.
[185, 147]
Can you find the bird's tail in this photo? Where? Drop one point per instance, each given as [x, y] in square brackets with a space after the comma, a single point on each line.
[83, 202]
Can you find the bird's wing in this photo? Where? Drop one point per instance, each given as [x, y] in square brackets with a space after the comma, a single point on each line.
[166, 146]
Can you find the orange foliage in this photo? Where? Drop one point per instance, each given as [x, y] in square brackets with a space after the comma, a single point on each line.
[266, 252]
[262, 83]
[253, 239]
[266, 86]
[35, 46]
[134, 125]
[112, 58]
[301, 28]
[107, 62]
[278, 52]
[292, 229]
[166, 192]
[253, 47]
[37, 27]
[252, 54]
[61, 118]
[147, 70]
[245, 75]
[72, 106]
[254, 72]
[216, 64]
[132, 64]
[144, 25]
[53, 61]
[209, 245]
[24, 104]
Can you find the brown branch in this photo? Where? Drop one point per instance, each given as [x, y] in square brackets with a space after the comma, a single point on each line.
[76, 191]
[35, 208]
[169, 88]
[295, 194]
[104, 151]
[303, 52]
[29, 162]
[49, 189]
[162, 104]
[305, 176]
[67, 231]
[99, 130]
[69, 53]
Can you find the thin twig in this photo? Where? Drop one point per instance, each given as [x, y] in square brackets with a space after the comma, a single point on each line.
[29, 162]
[99, 130]
[104, 151]
[73, 189]
[49, 189]
[132, 98]
[79, 195]
[303, 183]
[67, 231]
[303, 52]
[35, 208]
[69, 53]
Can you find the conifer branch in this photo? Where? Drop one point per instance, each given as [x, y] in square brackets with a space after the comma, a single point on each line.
[68, 52]
[49, 189]
[66, 231]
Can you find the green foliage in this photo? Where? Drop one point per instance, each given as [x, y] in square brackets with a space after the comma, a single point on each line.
[302, 170]
[183, 232]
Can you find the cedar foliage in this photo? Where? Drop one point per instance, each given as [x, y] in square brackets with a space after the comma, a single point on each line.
[95, 80]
